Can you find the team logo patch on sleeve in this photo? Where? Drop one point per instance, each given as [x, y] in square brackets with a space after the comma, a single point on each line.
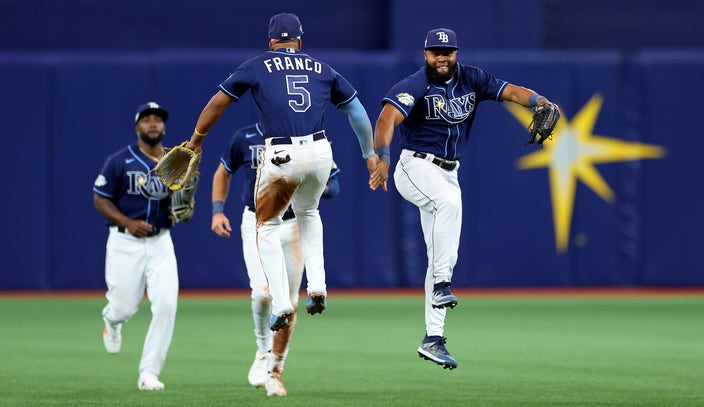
[100, 181]
[405, 99]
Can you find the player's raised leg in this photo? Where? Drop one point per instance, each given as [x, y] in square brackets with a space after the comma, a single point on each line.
[305, 204]
[271, 202]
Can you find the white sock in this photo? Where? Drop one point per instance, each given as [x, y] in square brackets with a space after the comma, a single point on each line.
[282, 361]
[276, 363]
[261, 312]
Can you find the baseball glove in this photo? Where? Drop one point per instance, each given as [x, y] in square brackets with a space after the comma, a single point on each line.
[183, 201]
[545, 117]
[177, 167]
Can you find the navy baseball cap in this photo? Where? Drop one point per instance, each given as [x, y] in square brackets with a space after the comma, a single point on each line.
[441, 38]
[285, 26]
[151, 108]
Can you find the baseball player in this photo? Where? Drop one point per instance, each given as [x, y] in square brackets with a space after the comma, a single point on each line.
[290, 90]
[139, 251]
[434, 109]
[244, 151]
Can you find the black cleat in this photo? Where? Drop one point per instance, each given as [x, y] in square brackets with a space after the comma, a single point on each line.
[276, 322]
[433, 349]
[315, 304]
[442, 296]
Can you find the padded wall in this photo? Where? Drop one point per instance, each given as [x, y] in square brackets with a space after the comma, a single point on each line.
[67, 111]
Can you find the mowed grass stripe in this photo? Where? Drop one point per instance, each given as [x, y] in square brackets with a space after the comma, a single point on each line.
[522, 351]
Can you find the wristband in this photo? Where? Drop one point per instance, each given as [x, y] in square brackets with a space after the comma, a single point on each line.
[384, 153]
[533, 99]
[218, 207]
[199, 134]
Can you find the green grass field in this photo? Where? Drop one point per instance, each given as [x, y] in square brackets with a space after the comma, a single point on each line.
[512, 351]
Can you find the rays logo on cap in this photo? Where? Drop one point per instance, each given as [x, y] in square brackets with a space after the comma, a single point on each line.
[441, 38]
[151, 108]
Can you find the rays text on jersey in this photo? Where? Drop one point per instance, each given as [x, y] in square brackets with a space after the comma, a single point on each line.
[453, 110]
[148, 185]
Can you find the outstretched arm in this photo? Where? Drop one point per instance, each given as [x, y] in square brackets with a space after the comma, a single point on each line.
[362, 127]
[545, 113]
[389, 118]
[523, 96]
[207, 119]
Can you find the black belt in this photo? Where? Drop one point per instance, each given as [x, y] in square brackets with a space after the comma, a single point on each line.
[149, 234]
[447, 165]
[287, 215]
[319, 135]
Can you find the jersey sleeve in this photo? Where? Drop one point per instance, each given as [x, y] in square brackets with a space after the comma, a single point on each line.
[108, 181]
[404, 95]
[239, 82]
[232, 158]
[342, 91]
[487, 86]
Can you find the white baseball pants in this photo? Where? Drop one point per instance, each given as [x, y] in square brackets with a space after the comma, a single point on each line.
[132, 265]
[291, 245]
[303, 179]
[436, 193]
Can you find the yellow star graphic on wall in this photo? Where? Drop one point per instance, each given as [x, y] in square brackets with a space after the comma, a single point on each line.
[572, 155]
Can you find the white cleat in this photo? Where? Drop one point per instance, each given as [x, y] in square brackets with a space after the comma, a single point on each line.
[149, 381]
[258, 373]
[112, 338]
[275, 385]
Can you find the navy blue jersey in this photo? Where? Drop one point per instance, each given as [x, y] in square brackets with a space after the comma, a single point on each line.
[126, 180]
[438, 117]
[290, 91]
[244, 151]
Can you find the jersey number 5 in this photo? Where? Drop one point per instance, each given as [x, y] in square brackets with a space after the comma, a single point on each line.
[295, 87]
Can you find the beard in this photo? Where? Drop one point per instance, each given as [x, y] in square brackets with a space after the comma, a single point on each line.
[437, 77]
[144, 136]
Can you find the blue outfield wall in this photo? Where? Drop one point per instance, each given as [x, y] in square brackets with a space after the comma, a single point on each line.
[65, 112]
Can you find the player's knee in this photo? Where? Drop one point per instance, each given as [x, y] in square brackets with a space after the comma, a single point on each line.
[122, 313]
[262, 296]
[450, 204]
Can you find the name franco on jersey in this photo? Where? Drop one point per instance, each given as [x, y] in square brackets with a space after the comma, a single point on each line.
[296, 63]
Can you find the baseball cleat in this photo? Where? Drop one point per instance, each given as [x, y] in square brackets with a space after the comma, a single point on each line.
[278, 322]
[149, 381]
[442, 296]
[112, 338]
[258, 373]
[315, 304]
[275, 385]
[433, 349]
